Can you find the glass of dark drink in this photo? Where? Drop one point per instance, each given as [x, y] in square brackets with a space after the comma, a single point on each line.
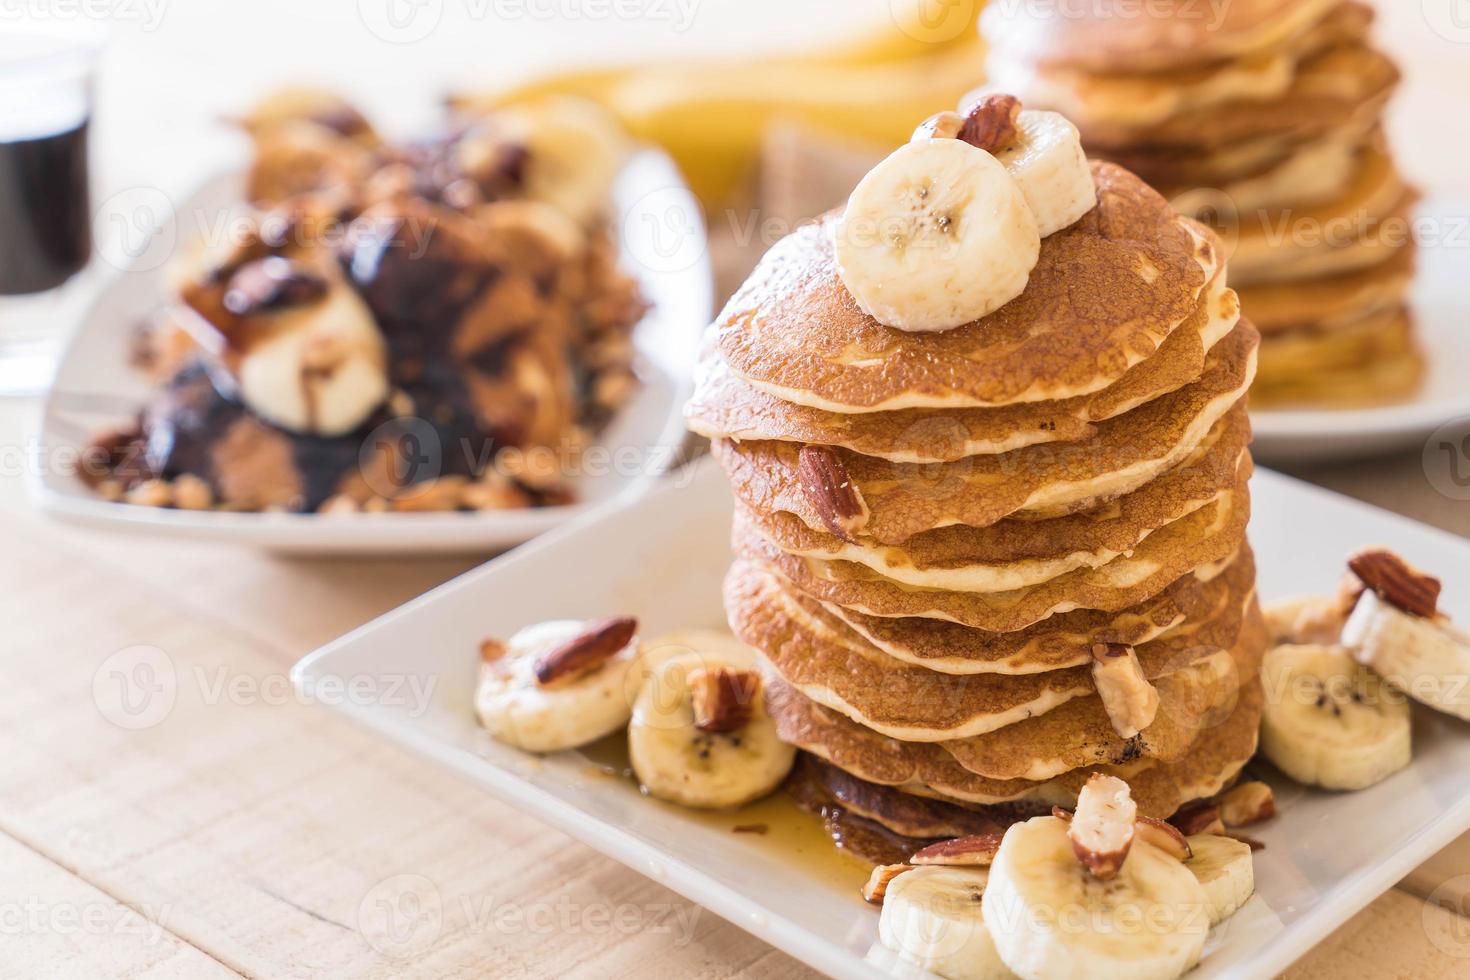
[45, 202]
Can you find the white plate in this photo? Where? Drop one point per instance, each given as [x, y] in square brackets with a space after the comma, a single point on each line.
[662, 558]
[1441, 303]
[95, 388]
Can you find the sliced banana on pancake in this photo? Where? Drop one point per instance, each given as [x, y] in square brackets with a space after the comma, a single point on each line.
[1049, 916]
[936, 236]
[700, 735]
[1047, 162]
[1329, 721]
[558, 685]
[933, 917]
[1396, 629]
[1224, 868]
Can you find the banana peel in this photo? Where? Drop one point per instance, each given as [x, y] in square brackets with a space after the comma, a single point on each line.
[713, 118]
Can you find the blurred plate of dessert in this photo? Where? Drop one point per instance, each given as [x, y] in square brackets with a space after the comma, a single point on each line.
[453, 343]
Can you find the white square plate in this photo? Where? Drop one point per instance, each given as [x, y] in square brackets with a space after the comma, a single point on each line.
[663, 558]
[663, 245]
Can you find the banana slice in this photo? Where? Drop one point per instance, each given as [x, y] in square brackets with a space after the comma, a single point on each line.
[574, 150]
[1225, 870]
[1047, 161]
[558, 685]
[700, 735]
[1051, 918]
[936, 236]
[1428, 659]
[933, 918]
[1330, 722]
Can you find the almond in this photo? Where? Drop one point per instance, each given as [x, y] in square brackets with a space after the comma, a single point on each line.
[1198, 818]
[1397, 582]
[1161, 835]
[977, 850]
[1129, 699]
[587, 651]
[1103, 825]
[830, 489]
[946, 125]
[723, 698]
[991, 123]
[877, 884]
[1247, 804]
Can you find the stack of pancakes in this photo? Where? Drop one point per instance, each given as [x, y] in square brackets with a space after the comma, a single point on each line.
[1264, 117]
[1067, 472]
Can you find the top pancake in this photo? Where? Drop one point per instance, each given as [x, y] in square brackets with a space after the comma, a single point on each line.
[1104, 295]
[1156, 36]
[723, 406]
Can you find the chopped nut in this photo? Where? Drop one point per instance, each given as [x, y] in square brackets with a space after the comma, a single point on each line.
[1163, 836]
[832, 493]
[1103, 825]
[151, 493]
[192, 493]
[1198, 818]
[877, 884]
[977, 850]
[1397, 582]
[587, 651]
[495, 494]
[491, 649]
[445, 493]
[375, 505]
[339, 504]
[1247, 804]
[110, 490]
[537, 468]
[991, 123]
[723, 698]
[613, 388]
[1129, 699]
[945, 125]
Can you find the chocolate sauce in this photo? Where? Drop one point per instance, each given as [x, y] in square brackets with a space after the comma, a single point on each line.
[45, 210]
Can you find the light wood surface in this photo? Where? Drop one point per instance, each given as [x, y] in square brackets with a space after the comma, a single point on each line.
[245, 832]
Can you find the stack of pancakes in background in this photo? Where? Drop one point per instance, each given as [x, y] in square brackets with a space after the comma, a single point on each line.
[1264, 117]
[949, 544]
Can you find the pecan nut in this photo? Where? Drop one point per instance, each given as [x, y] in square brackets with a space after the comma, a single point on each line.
[1165, 837]
[1397, 582]
[831, 491]
[586, 651]
[977, 850]
[723, 699]
[877, 884]
[1198, 818]
[1129, 699]
[1103, 825]
[991, 124]
[1247, 804]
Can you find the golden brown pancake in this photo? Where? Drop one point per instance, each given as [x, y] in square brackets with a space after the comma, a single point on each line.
[1203, 700]
[1125, 96]
[907, 499]
[1104, 295]
[1013, 554]
[1332, 301]
[832, 665]
[1294, 354]
[1210, 534]
[1062, 641]
[1148, 37]
[1390, 371]
[723, 406]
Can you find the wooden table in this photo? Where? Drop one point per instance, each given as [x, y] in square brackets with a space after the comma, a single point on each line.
[247, 833]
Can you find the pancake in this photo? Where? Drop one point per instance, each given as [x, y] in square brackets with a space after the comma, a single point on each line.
[1327, 91]
[1320, 171]
[1128, 97]
[1391, 374]
[1104, 295]
[1331, 301]
[1014, 554]
[1210, 534]
[1297, 353]
[829, 663]
[1149, 37]
[1062, 641]
[1203, 700]
[907, 499]
[1365, 227]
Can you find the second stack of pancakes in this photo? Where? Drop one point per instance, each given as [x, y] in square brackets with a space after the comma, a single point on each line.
[1266, 117]
[936, 535]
